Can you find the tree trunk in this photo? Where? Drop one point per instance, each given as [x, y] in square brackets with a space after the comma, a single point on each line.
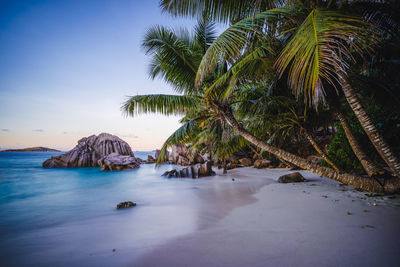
[363, 183]
[319, 150]
[225, 169]
[255, 152]
[365, 161]
[369, 127]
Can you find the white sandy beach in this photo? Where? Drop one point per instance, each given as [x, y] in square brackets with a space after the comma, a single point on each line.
[316, 223]
[213, 221]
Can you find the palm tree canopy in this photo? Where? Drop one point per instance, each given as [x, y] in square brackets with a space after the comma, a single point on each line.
[176, 54]
[321, 43]
[226, 11]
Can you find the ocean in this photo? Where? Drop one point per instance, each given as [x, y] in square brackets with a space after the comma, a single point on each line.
[68, 217]
[64, 216]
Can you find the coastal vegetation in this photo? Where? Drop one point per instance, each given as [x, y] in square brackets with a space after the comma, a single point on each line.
[279, 73]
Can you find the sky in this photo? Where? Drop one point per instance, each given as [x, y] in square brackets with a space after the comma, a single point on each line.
[66, 66]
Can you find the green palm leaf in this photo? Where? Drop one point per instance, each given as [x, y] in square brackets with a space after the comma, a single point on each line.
[231, 43]
[162, 104]
[256, 61]
[218, 10]
[322, 44]
[172, 56]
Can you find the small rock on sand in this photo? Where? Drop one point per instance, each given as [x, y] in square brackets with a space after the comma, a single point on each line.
[125, 204]
[294, 177]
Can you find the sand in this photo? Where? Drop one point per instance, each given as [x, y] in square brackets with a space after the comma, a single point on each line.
[216, 221]
[316, 223]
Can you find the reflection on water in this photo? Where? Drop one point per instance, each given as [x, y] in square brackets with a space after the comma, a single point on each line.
[68, 216]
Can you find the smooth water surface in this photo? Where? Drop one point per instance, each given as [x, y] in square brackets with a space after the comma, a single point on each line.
[67, 216]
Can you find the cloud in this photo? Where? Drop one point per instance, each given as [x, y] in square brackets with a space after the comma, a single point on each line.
[38, 130]
[5, 130]
[131, 136]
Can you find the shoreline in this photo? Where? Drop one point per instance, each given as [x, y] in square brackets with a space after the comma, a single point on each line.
[213, 221]
[316, 223]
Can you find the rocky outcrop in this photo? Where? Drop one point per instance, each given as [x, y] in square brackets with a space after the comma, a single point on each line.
[246, 162]
[117, 162]
[150, 159]
[89, 151]
[231, 166]
[198, 159]
[314, 159]
[179, 155]
[294, 177]
[195, 171]
[126, 204]
[261, 163]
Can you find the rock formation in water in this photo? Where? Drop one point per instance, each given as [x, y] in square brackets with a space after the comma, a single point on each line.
[179, 155]
[150, 159]
[117, 162]
[89, 151]
[195, 171]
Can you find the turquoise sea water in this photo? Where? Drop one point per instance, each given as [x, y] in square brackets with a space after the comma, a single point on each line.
[67, 217]
[32, 196]
[62, 216]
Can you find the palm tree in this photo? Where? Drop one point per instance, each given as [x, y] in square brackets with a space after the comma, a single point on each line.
[293, 121]
[363, 183]
[320, 43]
[176, 57]
[368, 165]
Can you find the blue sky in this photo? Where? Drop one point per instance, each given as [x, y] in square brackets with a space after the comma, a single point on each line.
[66, 67]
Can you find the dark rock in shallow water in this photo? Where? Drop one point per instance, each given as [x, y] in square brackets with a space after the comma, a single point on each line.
[294, 177]
[117, 162]
[125, 204]
[150, 159]
[89, 151]
[194, 171]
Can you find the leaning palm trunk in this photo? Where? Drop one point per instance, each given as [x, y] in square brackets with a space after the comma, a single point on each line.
[225, 168]
[319, 150]
[369, 127]
[365, 161]
[363, 183]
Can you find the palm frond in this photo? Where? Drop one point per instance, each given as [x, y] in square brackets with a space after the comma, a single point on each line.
[205, 33]
[173, 58]
[251, 65]
[162, 104]
[232, 41]
[322, 44]
[221, 11]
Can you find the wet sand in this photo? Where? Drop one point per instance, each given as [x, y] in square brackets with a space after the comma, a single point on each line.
[316, 223]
